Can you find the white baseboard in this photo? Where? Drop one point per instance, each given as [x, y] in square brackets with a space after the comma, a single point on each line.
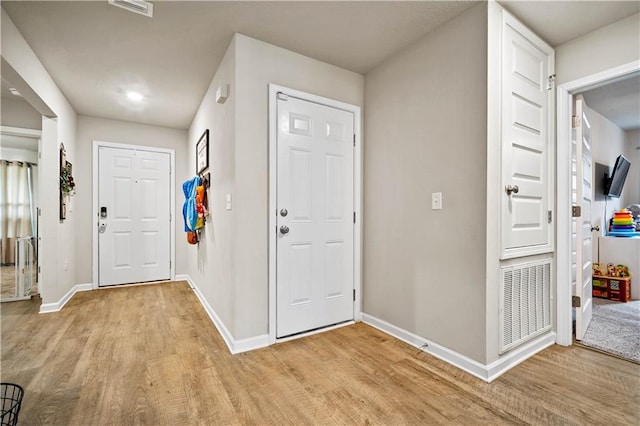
[46, 308]
[519, 354]
[484, 372]
[235, 346]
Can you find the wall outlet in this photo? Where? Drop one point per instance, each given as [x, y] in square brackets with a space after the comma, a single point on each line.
[228, 201]
[436, 201]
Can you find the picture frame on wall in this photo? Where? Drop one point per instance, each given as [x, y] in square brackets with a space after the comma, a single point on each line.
[202, 153]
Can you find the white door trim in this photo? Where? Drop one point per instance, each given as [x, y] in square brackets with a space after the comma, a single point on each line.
[172, 196]
[564, 334]
[357, 181]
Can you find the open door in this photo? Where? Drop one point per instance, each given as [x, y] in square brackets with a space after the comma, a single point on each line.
[582, 230]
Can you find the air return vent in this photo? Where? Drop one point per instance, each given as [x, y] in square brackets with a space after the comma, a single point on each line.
[138, 6]
[525, 304]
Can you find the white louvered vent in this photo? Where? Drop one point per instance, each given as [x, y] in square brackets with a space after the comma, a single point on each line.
[137, 6]
[525, 303]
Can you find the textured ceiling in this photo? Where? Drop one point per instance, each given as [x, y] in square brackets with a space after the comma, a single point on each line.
[618, 101]
[96, 52]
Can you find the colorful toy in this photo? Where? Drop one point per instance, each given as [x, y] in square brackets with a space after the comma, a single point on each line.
[623, 222]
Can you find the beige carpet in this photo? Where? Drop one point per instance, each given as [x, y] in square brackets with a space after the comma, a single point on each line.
[8, 282]
[615, 328]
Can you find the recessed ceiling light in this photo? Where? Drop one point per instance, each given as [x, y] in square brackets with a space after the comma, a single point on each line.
[15, 92]
[135, 96]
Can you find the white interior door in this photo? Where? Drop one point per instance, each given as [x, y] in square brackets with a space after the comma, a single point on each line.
[582, 234]
[526, 100]
[134, 216]
[315, 205]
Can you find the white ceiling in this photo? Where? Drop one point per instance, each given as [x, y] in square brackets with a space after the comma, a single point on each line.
[96, 52]
[618, 101]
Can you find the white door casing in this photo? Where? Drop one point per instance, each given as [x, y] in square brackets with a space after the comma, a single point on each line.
[527, 66]
[582, 197]
[565, 94]
[315, 207]
[134, 239]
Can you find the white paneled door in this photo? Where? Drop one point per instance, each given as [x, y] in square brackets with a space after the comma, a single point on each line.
[526, 102]
[134, 216]
[582, 235]
[315, 210]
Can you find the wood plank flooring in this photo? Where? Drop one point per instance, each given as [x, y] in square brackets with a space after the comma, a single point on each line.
[150, 355]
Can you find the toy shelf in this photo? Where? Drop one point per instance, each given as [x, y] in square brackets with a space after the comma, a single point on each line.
[612, 288]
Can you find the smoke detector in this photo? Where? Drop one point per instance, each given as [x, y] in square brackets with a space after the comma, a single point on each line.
[137, 6]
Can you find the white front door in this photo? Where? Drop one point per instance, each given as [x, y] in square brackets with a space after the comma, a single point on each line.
[134, 216]
[315, 205]
[582, 234]
[526, 101]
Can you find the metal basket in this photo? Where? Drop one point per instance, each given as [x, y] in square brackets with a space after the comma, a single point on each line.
[11, 399]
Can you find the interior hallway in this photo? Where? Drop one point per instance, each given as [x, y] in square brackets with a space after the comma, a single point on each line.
[150, 355]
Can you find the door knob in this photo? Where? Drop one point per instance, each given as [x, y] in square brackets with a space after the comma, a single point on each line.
[284, 229]
[511, 189]
[595, 228]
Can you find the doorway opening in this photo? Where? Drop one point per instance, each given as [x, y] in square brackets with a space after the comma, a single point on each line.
[602, 208]
[19, 213]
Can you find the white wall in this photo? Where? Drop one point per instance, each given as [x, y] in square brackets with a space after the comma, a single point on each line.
[425, 131]
[232, 260]
[610, 46]
[18, 113]
[17, 154]
[92, 128]
[632, 186]
[211, 264]
[607, 142]
[58, 238]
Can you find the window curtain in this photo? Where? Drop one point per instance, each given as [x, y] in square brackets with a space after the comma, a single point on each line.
[16, 215]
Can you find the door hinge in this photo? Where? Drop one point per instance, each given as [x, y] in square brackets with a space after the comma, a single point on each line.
[354, 139]
[549, 216]
[354, 294]
[551, 80]
[576, 211]
[354, 217]
[282, 96]
[575, 301]
[574, 121]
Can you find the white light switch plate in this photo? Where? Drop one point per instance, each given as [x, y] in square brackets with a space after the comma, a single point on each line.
[228, 199]
[436, 201]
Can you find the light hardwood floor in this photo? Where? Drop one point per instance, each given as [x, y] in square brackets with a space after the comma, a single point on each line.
[150, 355]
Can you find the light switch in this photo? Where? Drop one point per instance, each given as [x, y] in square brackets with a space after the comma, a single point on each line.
[228, 199]
[436, 201]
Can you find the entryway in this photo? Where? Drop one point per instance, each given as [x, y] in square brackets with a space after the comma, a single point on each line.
[133, 201]
[314, 213]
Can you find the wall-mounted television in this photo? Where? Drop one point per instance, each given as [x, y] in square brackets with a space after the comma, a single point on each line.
[613, 185]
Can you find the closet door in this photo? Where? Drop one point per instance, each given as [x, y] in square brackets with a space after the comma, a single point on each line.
[527, 83]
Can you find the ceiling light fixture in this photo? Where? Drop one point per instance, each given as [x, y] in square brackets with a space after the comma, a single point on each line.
[135, 96]
[15, 92]
[136, 6]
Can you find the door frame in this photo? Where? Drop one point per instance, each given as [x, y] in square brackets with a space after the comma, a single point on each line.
[566, 91]
[97, 144]
[274, 89]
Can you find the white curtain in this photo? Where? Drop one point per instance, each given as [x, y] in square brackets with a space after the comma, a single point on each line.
[15, 206]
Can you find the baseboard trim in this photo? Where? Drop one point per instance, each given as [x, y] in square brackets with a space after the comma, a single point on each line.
[234, 346]
[484, 372]
[46, 308]
[519, 354]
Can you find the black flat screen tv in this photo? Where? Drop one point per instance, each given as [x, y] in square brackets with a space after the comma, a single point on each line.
[614, 185]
